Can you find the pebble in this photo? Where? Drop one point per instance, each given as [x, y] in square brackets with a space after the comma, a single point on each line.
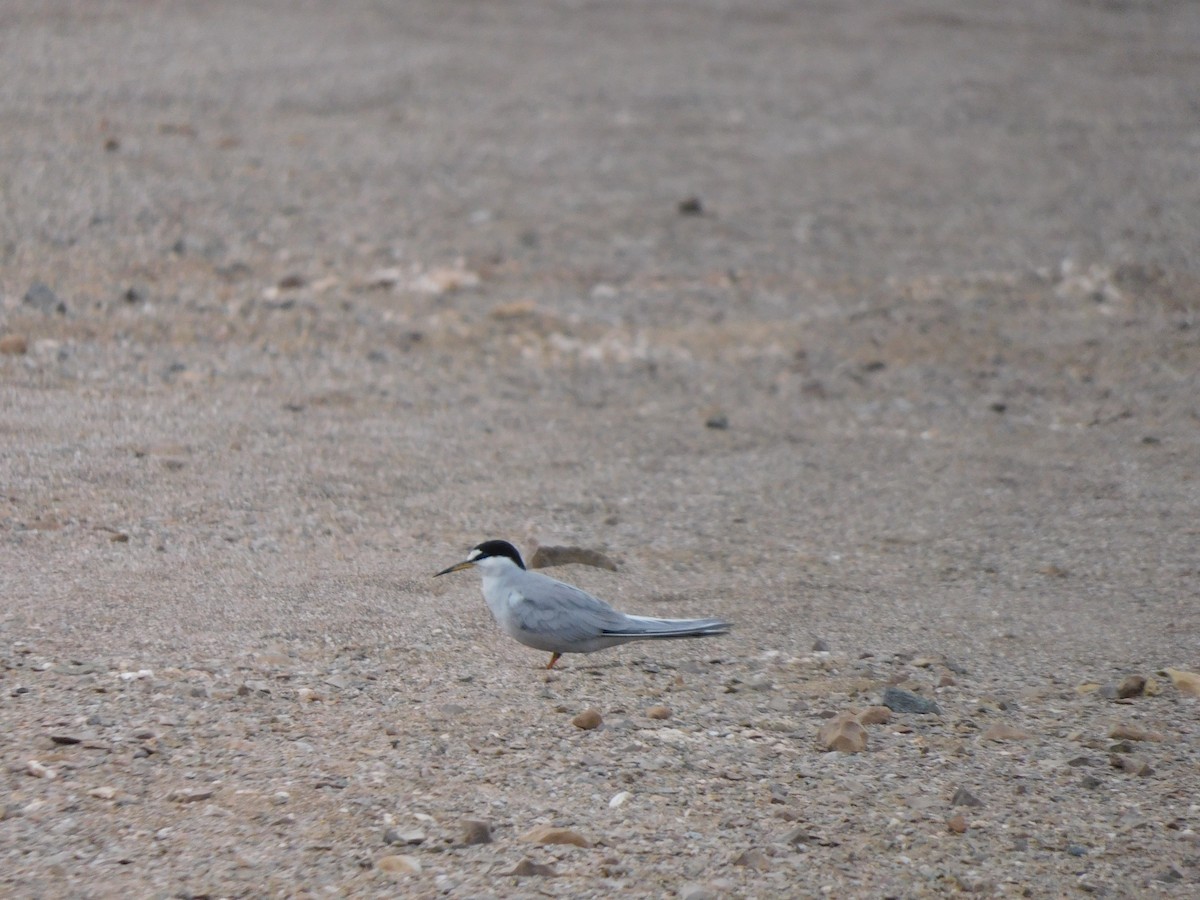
[1003, 732]
[70, 739]
[78, 668]
[548, 834]
[444, 280]
[395, 864]
[41, 297]
[753, 859]
[518, 309]
[963, 797]
[619, 799]
[476, 831]
[901, 701]
[37, 770]
[1130, 764]
[760, 681]
[820, 645]
[844, 734]
[527, 868]
[1186, 682]
[695, 891]
[1134, 733]
[411, 836]
[1132, 686]
[587, 720]
[191, 795]
[14, 345]
[875, 715]
[659, 712]
[104, 792]
[957, 824]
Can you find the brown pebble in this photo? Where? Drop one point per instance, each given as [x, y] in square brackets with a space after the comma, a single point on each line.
[947, 681]
[476, 831]
[14, 345]
[518, 309]
[527, 867]
[191, 795]
[1133, 733]
[875, 715]
[1132, 686]
[1130, 764]
[753, 859]
[398, 865]
[957, 824]
[659, 712]
[548, 834]
[1001, 733]
[843, 733]
[587, 720]
[1186, 682]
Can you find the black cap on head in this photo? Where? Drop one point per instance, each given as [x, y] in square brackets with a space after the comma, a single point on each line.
[497, 548]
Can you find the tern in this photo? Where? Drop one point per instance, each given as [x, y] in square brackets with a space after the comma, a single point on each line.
[546, 614]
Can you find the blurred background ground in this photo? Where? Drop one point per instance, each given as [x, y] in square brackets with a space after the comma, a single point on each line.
[873, 324]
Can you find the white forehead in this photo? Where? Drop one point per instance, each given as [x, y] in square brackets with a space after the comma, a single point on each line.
[474, 554]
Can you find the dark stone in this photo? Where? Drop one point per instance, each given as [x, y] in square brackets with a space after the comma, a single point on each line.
[901, 701]
[40, 296]
[963, 797]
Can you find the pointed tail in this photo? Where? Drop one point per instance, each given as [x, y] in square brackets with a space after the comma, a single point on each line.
[638, 628]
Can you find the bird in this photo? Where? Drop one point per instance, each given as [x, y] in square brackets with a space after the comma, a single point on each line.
[547, 614]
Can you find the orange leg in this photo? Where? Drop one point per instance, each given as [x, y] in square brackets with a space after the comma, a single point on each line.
[553, 659]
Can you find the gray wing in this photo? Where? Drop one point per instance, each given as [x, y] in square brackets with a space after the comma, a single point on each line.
[552, 608]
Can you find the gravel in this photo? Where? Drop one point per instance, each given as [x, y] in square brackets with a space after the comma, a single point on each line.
[871, 328]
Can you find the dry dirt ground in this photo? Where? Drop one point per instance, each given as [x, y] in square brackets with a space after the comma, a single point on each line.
[867, 324]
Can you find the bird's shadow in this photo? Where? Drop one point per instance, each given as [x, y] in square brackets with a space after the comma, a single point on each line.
[598, 669]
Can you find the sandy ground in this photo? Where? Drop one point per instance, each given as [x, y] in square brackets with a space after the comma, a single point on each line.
[872, 327]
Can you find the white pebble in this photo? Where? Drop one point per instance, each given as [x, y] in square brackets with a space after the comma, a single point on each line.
[618, 799]
[37, 770]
